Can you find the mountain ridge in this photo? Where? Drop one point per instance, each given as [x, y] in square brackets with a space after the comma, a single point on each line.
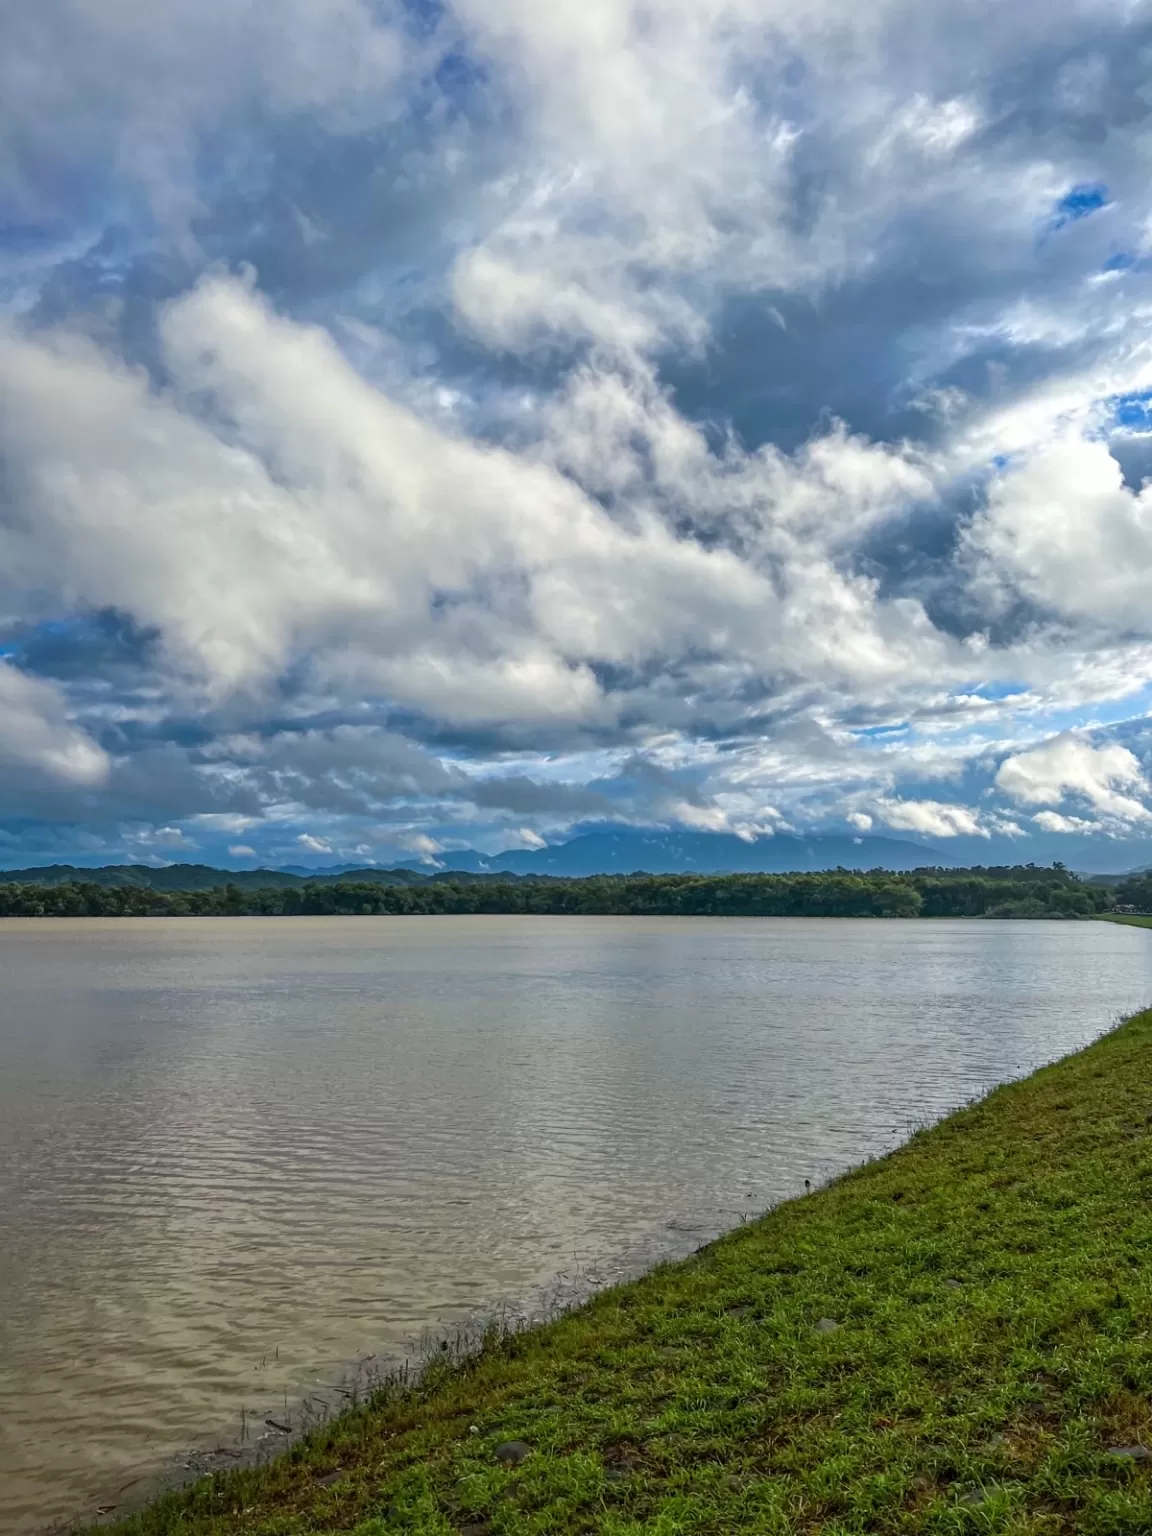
[619, 852]
[627, 851]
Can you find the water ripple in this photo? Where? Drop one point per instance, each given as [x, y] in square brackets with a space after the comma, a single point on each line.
[235, 1155]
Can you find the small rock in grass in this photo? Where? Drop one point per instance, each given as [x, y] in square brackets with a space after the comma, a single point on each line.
[1129, 1452]
[513, 1452]
[954, 1285]
[620, 1464]
[329, 1478]
[977, 1495]
[827, 1325]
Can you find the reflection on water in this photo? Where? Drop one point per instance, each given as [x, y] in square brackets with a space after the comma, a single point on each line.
[236, 1153]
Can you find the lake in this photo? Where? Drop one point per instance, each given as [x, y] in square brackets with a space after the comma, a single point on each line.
[236, 1154]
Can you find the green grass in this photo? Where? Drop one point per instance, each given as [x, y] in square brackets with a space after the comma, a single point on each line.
[991, 1289]
[1118, 917]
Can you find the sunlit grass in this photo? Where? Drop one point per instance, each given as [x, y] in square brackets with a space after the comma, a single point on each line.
[955, 1339]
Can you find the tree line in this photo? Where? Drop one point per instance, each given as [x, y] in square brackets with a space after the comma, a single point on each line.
[1017, 891]
[1135, 891]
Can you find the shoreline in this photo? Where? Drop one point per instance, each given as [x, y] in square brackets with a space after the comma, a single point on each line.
[357, 1380]
[952, 1337]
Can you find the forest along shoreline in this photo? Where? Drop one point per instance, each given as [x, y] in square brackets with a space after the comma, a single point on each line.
[1020, 891]
[955, 1337]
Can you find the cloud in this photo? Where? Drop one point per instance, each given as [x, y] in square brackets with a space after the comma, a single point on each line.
[303, 532]
[426, 848]
[930, 817]
[37, 738]
[142, 86]
[1071, 766]
[525, 837]
[312, 844]
[1052, 821]
[701, 818]
[226, 821]
[467, 422]
[1065, 531]
[162, 839]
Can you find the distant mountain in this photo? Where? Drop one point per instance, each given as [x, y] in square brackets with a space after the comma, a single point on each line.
[621, 851]
[1140, 873]
[321, 871]
[625, 850]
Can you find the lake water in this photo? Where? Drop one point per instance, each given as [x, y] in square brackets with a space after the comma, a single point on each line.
[235, 1154]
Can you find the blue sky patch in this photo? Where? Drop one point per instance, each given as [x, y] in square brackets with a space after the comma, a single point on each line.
[1080, 203]
[1133, 411]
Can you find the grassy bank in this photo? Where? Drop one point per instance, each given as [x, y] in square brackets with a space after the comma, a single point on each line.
[955, 1339]
[1133, 922]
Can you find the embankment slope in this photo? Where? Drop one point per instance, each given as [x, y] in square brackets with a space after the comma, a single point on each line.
[957, 1338]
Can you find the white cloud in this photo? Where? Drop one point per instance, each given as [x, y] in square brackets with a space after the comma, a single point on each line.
[1064, 530]
[700, 230]
[1071, 765]
[934, 129]
[223, 821]
[173, 838]
[241, 851]
[36, 736]
[664, 148]
[426, 848]
[525, 837]
[701, 818]
[1052, 821]
[329, 522]
[1004, 826]
[312, 844]
[934, 818]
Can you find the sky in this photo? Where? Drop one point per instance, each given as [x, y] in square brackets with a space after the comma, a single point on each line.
[443, 423]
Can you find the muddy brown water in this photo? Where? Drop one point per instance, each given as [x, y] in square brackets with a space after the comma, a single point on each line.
[236, 1154]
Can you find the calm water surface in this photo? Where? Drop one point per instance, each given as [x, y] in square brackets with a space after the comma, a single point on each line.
[234, 1154]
